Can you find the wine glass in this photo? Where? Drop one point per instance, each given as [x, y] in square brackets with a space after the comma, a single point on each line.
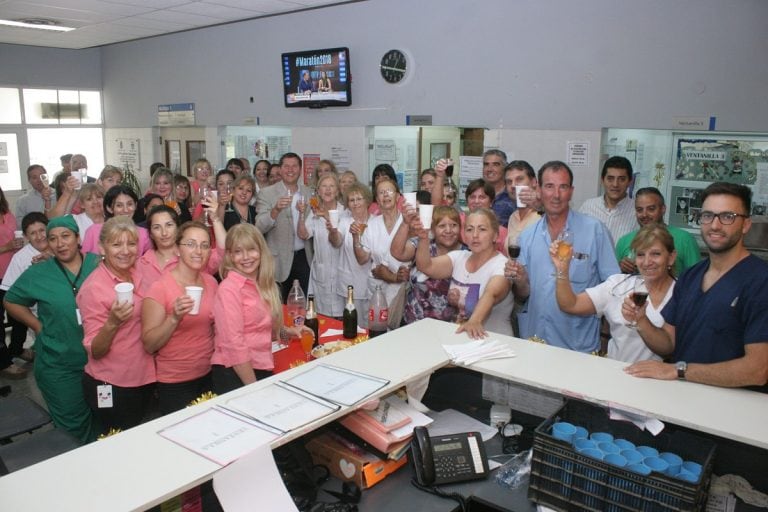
[204, 191]
[229, 194]
[514, 251]
[639, 297]
[564, 246]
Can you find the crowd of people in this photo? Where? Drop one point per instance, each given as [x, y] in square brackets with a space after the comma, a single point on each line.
[139, 305]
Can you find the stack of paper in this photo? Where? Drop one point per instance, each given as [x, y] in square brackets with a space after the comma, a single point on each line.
[478, 350]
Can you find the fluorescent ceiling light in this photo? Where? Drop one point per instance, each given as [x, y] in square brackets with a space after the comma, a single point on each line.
[37, 24]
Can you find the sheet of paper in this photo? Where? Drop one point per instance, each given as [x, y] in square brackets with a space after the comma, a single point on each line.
[252, 482]
[338, 332]
[418, 419]
[217, 436]
[338, 385]
[282, 408]
[451, 421]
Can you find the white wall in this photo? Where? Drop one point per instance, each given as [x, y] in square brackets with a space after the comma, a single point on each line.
[528, 64]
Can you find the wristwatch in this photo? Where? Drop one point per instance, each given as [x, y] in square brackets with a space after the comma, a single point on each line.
[681, 367]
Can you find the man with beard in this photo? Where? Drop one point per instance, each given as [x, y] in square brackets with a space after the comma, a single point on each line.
[716, 326]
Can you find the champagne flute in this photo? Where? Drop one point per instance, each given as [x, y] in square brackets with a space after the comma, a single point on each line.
[639, 297]
[204, 191]
[229, 194]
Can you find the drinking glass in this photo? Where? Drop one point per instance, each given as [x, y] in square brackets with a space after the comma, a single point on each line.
[204, 191]
[229, 194]
[639, 296]
[514, 251]
[564, 246]
[307, 340]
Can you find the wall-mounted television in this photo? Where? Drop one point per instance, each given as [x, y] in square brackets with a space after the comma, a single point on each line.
[317, 78]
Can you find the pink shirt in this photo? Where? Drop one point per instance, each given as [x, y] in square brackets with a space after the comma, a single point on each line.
[187, 354]
[90, 241]
[126, 364]
[7, 227]
[150, 271]
[243, 325]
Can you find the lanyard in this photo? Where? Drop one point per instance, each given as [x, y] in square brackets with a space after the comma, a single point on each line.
[72, 283]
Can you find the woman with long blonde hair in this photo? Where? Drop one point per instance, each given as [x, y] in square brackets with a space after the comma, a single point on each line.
[248, 312]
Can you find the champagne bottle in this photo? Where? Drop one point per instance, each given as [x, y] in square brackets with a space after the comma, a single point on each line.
[349, 319]
[311, 319]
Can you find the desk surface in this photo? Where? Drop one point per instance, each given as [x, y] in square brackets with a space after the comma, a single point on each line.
[95, 476]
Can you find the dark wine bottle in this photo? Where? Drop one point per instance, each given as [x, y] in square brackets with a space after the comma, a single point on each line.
[311, 319]
[349, 319]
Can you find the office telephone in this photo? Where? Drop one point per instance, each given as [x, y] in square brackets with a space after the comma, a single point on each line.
[448, 459]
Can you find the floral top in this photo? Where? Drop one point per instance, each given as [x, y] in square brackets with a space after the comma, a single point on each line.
[428, 298]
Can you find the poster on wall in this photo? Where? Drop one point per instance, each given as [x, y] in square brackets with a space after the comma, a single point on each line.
[340, 157]
[128, 154]
[384, 150]
[578, 154]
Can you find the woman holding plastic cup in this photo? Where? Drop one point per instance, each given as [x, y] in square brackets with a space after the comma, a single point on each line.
[318, 224]
[349, 271]
[655, 258]
[478, 287]
[248, 311]
[373, 245]
[177, 321]
[119, 375]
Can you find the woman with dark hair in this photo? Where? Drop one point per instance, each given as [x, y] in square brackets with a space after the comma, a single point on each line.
[112, 327]
[480, 194]
[119, 200]
[224, 180]
[261, 174]
[9, 244]
[274, 174]
[235, 166]
[182, 341]
[381, 172]
[150, 201]
[324, 84]
[182, 190]
[52, 285]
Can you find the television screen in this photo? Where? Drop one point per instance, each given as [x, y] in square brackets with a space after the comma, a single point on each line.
[317, 78]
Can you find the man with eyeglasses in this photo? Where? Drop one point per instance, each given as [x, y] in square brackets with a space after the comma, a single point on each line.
[649, 209]
[534, 276]
[716, 326]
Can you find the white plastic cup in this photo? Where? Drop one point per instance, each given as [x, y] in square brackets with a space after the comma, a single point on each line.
[518, 188]
[44, 178]
[333, 216]
[79, 176]
[196, 292]
[124, 292]
[425, 215]
[410, 198]
[18, 234]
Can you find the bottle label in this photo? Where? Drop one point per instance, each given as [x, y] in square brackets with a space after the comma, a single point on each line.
[298, 321]
[383, 315]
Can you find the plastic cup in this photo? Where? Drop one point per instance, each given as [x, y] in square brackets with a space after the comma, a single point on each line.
[425, 215]
[601, 437]
[615, 459]
[656, 464]
[563, 431]
[124, 292]
[593, 453]
[333, 216]
[18, 234]
[686, 476]
[692, 467]
[648, 451]
[79, 176]
[196, 292]
[581, 433]
[609, 447]
[518, 188]
[410, 198]
[632, 456]
[584, 444]
[640, 469]
[675, 462]
[624, 444]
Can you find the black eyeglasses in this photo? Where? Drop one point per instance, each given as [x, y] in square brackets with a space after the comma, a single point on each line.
[725, 218]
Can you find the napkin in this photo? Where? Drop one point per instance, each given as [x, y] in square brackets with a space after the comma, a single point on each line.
[338, 332]
[478, 350]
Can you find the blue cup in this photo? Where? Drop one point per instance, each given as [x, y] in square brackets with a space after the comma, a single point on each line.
[640, 469]
[584, 444]
[656, 464]
[581, 433]
[601, 437]
[607, 448]
[632, 456]
[593, 453]
[648, 451]
[692, 467]
[624, 444]
[615, 459]
[687, 476]
[675, 462]
[563, 431]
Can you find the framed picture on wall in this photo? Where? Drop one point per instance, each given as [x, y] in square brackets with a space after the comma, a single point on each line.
[438, 150]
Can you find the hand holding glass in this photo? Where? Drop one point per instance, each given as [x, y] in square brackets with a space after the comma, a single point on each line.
[639, 297]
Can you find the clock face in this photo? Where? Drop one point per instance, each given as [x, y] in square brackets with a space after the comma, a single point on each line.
[393, 66]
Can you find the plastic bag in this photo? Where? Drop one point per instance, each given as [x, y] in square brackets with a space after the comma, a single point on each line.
[516, 471]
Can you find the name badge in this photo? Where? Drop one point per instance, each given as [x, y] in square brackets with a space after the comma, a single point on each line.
[104, 396]
[79, 316]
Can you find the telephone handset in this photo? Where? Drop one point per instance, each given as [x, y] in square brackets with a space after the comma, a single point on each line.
[448, 459]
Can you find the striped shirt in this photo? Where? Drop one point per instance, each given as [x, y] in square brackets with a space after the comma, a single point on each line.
[619, 221]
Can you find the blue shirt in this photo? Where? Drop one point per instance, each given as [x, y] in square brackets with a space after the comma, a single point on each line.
[714, 326]
[593, 262]
[503, 206]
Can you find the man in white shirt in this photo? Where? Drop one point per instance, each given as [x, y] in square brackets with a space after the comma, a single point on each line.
[614, 208]
[39, 198]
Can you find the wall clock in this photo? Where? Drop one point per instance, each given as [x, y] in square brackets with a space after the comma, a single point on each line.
[394, 66]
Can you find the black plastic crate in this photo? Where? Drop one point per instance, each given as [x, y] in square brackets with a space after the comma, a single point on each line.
[565, 480]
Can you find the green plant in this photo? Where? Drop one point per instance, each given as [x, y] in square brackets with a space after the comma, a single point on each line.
[131, 180]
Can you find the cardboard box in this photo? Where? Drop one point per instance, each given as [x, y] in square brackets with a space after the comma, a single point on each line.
[346, 463]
